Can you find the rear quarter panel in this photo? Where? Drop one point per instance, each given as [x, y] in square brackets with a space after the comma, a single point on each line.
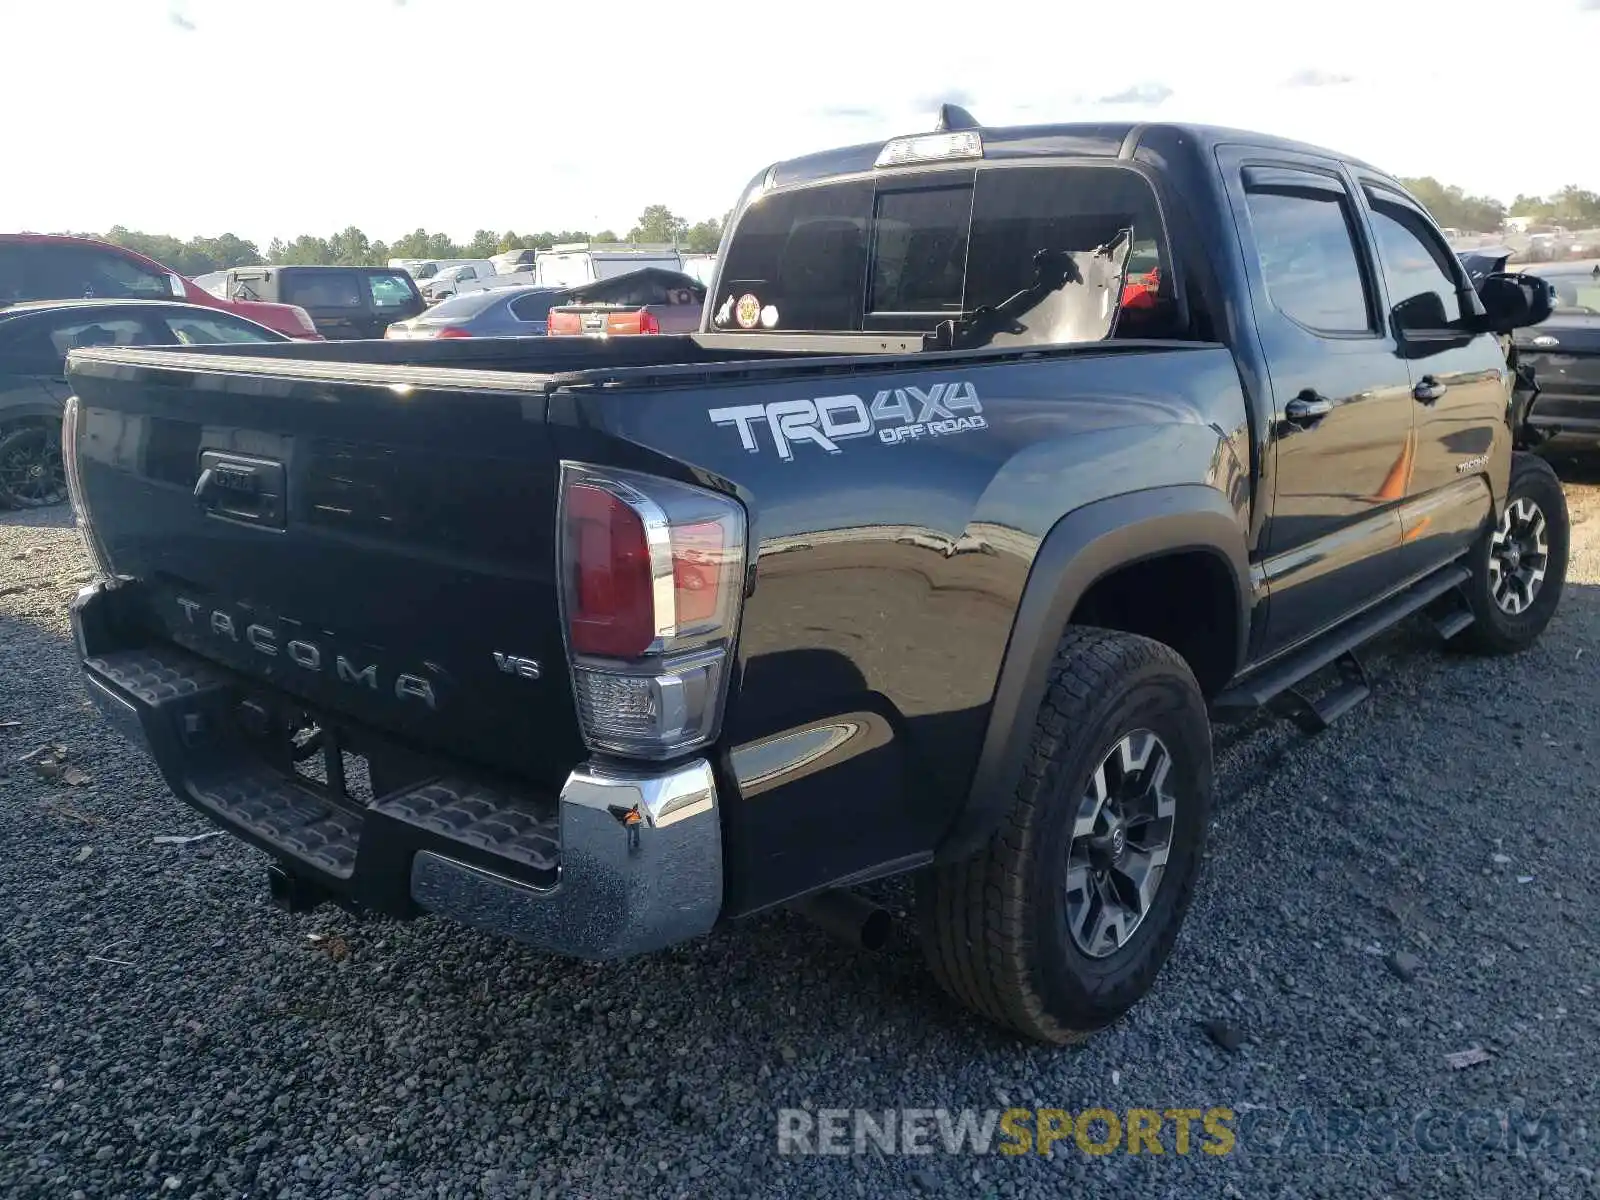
[888, 574]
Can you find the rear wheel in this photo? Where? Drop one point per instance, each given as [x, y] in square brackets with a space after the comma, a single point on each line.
[31, 471]
[1520, 566]
[1063, 921]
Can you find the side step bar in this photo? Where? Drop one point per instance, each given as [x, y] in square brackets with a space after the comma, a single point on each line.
[1316, 713]
[1281, 675]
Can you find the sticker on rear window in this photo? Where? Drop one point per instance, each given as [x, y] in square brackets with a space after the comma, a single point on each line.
[769, 317]
[748, 311]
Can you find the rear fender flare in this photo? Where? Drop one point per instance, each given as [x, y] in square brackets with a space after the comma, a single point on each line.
[1083, 547]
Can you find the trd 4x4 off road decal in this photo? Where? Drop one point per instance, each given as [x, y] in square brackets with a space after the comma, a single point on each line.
[895, 415]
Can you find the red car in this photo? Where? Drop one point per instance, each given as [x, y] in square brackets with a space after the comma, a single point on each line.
[38, 266]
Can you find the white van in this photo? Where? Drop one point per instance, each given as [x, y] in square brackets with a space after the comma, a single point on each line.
[573, 264]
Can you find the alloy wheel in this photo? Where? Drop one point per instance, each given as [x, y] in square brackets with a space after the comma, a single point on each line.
[1519, 554]
[1121, 839]
[31, 471]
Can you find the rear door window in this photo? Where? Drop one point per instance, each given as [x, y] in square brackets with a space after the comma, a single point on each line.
[38, 346]
[193, 329]
[322, 289]
[78, 333]
[533, 308]
[71, 272]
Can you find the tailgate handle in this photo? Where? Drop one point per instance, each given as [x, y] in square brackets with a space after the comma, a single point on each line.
[235, 487]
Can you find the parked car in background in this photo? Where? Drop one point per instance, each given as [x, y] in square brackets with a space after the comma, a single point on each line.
[345, 302]
[500, 312]
[36, 266]
[573, 264]
[34, 339]
[1563, 357]
[447, 281]
[647, 301]
[510, 261]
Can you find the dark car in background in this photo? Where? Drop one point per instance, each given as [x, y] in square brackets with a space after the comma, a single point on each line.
[1563, 356]
[39, 266]
[500, 312]
[34, 340]
[345, 302]
[649, 300]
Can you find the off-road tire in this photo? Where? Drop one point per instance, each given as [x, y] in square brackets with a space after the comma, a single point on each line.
[994, 926]
[1493, 630]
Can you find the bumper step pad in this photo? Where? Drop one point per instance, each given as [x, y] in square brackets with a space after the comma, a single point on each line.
[288, 816]
[478, 817]
[177, 690]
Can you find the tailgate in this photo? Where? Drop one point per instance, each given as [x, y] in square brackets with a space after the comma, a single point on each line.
[382, 551]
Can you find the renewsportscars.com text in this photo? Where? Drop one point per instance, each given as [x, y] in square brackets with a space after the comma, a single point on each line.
[1166, 1131]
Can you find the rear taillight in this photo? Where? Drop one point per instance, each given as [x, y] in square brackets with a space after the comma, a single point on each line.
[303, 319]
[648, 322]
[652, 579]
[70, 418]
[451, 331]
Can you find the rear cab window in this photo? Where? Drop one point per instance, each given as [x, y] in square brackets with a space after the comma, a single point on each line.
[322, 289]
[905, 251]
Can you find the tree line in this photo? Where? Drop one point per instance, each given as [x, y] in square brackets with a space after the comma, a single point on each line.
[352, 247]
[1572, 206]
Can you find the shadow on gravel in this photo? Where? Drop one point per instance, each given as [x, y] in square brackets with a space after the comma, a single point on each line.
[57, 516]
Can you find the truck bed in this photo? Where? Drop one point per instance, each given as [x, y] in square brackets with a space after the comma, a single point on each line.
[415, 530]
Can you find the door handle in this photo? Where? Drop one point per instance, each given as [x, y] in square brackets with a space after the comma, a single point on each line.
[1307, 408]
[1429, 389]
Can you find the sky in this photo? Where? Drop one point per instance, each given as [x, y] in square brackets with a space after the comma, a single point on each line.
[270, 118]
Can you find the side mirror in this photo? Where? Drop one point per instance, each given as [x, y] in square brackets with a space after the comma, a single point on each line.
[177, 287]
[1423, 311]
[1514, 300]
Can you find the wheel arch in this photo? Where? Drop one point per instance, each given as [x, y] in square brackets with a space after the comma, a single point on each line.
[1084, 550]
[29, 412]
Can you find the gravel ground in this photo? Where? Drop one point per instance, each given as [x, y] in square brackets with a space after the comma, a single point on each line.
[164, 1031]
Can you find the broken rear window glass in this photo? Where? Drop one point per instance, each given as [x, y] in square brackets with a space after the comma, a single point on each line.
[908, 251]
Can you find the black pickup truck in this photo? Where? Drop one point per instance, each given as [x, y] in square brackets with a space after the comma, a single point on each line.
[1005, 461]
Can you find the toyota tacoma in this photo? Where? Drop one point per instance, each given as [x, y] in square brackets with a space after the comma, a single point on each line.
[1005, 461]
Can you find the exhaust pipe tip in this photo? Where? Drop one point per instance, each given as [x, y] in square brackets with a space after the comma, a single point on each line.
[848, 916]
